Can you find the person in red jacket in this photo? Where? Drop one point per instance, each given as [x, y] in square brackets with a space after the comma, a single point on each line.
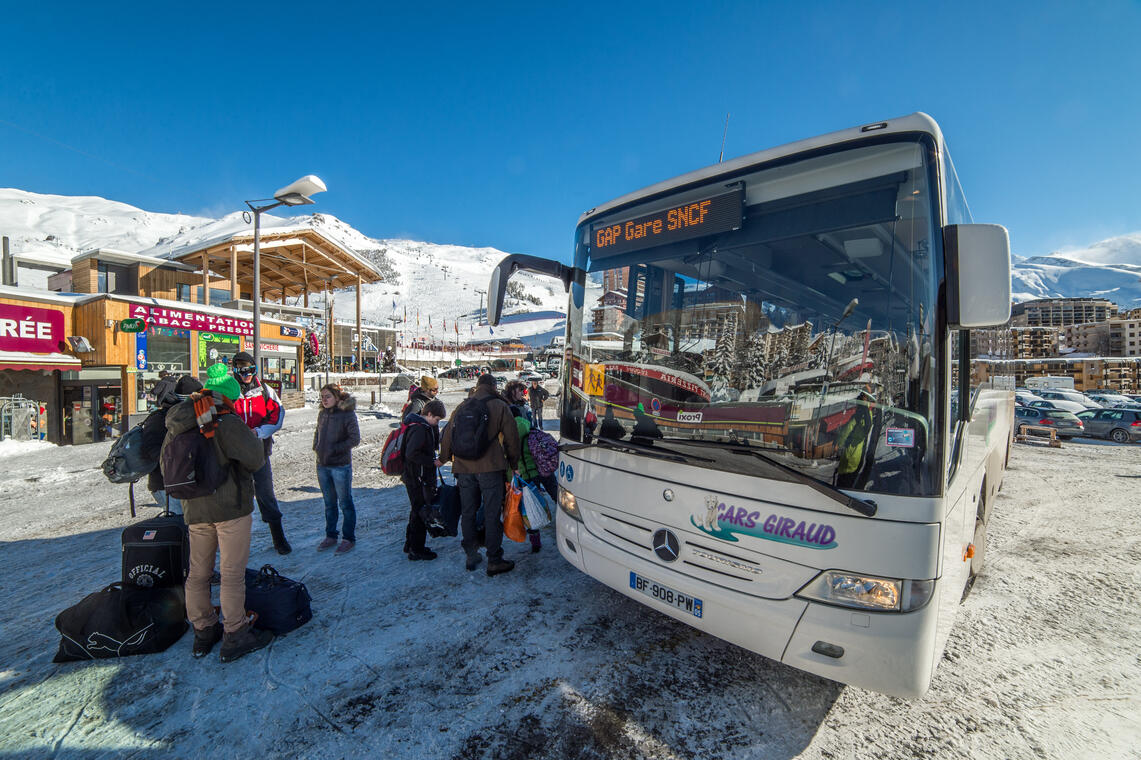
[261, 410]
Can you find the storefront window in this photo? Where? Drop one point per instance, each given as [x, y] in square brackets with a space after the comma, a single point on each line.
[165, 350]
[216, 347]
[281, 370]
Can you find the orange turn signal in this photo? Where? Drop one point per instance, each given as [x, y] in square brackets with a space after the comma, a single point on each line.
[969, 553]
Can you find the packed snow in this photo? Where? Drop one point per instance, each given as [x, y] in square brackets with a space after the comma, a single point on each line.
[424, 660]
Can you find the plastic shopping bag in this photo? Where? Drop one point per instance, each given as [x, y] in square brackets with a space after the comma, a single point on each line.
[513, 526]
[536, 511]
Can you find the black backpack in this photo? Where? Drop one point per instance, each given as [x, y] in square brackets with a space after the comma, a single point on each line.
[128, 459]
[191, 467]
[469, 429]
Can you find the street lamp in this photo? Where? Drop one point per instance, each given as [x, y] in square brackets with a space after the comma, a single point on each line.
[295, 194]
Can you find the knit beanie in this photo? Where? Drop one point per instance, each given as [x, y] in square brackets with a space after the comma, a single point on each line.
[219, 380]
[429, 383]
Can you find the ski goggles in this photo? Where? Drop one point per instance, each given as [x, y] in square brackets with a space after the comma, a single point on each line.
[246, 371]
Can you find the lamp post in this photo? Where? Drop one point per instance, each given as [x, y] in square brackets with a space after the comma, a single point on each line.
[295, 194]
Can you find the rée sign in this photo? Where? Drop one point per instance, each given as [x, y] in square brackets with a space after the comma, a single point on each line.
[705, 216]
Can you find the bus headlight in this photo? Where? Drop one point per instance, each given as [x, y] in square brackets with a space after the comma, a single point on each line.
[568, 504]
[867, 592]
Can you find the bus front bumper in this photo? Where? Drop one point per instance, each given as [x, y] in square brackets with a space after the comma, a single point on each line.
[884, 652]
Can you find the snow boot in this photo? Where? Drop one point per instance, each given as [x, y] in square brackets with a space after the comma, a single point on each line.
[497, 566]
[279, 543]
[205, 639]
[242, 642]
[424, 553]
[536, 542]
[473, 560]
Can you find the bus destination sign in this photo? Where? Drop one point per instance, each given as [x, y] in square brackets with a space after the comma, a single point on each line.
[708, 216]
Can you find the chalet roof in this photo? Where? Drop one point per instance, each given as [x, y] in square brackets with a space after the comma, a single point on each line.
[293, 259]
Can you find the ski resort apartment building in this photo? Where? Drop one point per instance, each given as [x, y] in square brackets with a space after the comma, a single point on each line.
[78, 358]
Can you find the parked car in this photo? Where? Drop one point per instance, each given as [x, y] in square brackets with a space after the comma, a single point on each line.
[1025, 397]
[1118, 425]
[1109, 399]
[1066, 406]
[1066, 423]
[1074, 396]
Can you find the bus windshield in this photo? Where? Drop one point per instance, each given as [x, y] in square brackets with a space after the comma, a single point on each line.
[788, 309]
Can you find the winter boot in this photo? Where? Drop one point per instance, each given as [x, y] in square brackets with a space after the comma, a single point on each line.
[473, 560]
[205, 639]
[536, 542]
[242, 642]
[497, 566]
[279, 541]
[424, 553]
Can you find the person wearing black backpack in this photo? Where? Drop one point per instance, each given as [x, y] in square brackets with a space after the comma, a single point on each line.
[483, 443]
[208, 460]
[167, 392]
[419, 476]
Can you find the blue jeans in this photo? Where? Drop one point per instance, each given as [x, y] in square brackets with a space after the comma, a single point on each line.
[337, 485]
[263, 492]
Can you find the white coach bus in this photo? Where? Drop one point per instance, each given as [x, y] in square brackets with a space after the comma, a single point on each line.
[772, 441]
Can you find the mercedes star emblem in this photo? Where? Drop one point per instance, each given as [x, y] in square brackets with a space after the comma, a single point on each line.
[666, 545]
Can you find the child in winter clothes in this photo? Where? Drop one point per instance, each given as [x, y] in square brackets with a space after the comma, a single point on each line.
[529, 471]
[420, 443]
[336, 434]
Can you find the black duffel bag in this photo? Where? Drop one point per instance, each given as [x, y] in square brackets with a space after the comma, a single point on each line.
[120, 621]
[282, 605]
[442, 514]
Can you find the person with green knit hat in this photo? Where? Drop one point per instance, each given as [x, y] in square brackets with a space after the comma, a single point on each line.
[220, 380]
[219, 521]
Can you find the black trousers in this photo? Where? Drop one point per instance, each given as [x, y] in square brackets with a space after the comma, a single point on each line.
[488, 489]
[416, 534]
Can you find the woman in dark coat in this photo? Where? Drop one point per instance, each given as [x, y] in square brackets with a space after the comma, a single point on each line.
[333, 440]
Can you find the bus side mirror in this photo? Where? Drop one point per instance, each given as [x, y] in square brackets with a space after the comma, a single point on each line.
[977, 260]
[497, 287]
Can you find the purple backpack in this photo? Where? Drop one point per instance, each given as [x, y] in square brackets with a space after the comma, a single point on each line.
[545, 452]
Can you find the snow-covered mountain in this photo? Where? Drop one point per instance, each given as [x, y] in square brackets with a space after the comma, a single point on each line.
[1109, 269]
[439, 283]
[442, 282]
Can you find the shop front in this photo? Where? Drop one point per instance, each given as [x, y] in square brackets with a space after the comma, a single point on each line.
[33, 342]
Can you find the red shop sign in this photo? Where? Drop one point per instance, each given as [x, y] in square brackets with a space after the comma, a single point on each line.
[26, 328]
[159, 316]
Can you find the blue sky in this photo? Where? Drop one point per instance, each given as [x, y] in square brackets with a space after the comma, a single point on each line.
[498, 125]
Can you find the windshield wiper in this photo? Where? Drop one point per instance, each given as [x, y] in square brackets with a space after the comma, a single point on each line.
[865, 507]
[645, 449]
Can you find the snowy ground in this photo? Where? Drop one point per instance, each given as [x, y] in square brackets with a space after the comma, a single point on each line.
[425, 660]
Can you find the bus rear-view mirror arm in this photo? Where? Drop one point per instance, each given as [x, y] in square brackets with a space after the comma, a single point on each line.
[497, 287]
[977, 258]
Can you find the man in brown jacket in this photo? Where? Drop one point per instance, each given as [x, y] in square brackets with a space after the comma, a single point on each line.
[220, 521]
[483, 442]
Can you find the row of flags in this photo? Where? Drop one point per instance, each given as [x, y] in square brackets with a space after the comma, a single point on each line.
[455, 322]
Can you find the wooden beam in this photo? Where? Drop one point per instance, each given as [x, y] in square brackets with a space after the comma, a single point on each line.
[235, 292]
[205, 279]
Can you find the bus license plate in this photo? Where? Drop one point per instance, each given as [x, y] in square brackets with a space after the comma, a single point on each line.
[666, 595]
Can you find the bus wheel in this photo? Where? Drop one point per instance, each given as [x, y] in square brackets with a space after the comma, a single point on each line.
[979, 558]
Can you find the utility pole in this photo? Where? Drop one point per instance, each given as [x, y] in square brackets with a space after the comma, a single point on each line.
[330, 333]
[482, 293]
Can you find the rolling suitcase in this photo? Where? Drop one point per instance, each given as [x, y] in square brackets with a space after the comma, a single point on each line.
[156, 552]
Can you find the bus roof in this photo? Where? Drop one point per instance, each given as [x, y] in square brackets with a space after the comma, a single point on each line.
[916, 122]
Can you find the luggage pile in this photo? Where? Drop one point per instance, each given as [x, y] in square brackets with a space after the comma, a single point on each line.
[145, 612]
